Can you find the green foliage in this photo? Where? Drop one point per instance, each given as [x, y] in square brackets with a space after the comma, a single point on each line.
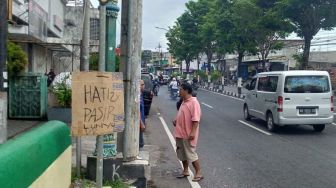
[116, 184]
[62, 91]
[94, 61]
[175, 74]
[246, 26]
[202, 74]
[299, 59]
[308, 17]
[117, 65]
[205, 40]
[17, 59]
[181, 39]
[268, 28]
[215, 76]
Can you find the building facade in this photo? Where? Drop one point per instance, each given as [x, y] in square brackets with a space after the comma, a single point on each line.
[50, 32]
[38, 26]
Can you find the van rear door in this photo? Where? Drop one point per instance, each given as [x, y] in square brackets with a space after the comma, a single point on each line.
[307, 96]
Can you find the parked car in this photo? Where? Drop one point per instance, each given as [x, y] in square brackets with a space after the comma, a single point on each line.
[148, 93]
[290, 98]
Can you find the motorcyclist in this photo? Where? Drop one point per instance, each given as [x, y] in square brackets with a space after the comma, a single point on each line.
[195, 80]
[156, 86]
[194, 84]
[174, 86]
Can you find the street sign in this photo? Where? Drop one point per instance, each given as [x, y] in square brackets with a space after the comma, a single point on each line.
[97, 103]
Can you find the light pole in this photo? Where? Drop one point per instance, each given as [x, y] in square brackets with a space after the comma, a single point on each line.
[112, 10]
[159, 47]
[102, 39]
[161, 28]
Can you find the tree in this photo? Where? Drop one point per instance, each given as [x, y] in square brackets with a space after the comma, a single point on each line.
[219, 18]
[181, 39]
[308, 17]
[269, 28]
[16, 59]
[205, 40]
[242, 15]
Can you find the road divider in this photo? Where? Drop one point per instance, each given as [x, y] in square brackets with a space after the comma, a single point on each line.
[173, 143]
[255, 128]
[222, 94]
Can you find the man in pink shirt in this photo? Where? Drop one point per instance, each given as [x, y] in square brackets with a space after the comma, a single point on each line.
[186, 132]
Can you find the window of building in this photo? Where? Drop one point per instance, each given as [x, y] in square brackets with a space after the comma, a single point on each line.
[94, 28]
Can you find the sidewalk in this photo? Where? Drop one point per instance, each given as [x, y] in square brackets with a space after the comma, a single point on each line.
[162, 158]
[17, 127]
[164, 165]
[231, 90]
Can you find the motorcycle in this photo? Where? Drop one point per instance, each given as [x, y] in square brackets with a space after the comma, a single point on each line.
[194, 86]
[156, 86]
[156, 90]
[174, 93]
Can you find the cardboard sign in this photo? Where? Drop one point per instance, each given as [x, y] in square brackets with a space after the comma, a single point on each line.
[97, 103]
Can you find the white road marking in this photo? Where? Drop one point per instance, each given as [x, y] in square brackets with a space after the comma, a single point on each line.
[334, 123]
[253, 127]
[207, 105]
[173, 143]
[222, 94]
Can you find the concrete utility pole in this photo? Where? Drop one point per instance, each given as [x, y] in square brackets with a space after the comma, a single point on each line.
[131, 27]
[84, 66]
[101, 67]
[3, 58]
[102, 37]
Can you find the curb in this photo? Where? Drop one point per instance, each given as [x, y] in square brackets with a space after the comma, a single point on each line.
[229, 93]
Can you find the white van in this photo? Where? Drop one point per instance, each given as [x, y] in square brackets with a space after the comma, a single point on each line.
[290, 98]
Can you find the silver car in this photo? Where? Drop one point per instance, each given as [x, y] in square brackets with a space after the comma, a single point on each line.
[291, 98]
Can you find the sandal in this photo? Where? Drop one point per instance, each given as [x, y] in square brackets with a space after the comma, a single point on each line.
[182, 176]
[197, 179]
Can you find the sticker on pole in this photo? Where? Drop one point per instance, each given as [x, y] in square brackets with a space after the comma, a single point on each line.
[97, 103]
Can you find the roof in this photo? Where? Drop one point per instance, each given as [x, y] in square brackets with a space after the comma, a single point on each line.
[295, 72]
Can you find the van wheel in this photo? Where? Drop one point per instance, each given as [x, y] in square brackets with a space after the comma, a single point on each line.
[247, 115]
[318, 128]
[270, 123]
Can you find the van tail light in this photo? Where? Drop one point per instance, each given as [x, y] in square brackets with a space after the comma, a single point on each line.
[332, 103]
[280, 104]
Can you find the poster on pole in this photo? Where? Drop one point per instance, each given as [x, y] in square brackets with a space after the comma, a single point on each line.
[97, 103]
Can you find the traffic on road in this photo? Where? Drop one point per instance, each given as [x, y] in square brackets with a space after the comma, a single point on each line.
[236, 152]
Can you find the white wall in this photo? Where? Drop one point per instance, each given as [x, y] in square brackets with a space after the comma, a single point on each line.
[56, 9]
[43, 4]
[41, 59]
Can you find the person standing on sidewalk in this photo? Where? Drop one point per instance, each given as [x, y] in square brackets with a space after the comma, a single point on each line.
[142, 115]
[186, 132]
[239, 85]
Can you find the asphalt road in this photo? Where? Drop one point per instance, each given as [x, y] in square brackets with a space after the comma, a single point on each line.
[234, 153]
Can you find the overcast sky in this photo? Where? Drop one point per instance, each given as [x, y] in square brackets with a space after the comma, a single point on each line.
[163, 13]
[156, 13]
